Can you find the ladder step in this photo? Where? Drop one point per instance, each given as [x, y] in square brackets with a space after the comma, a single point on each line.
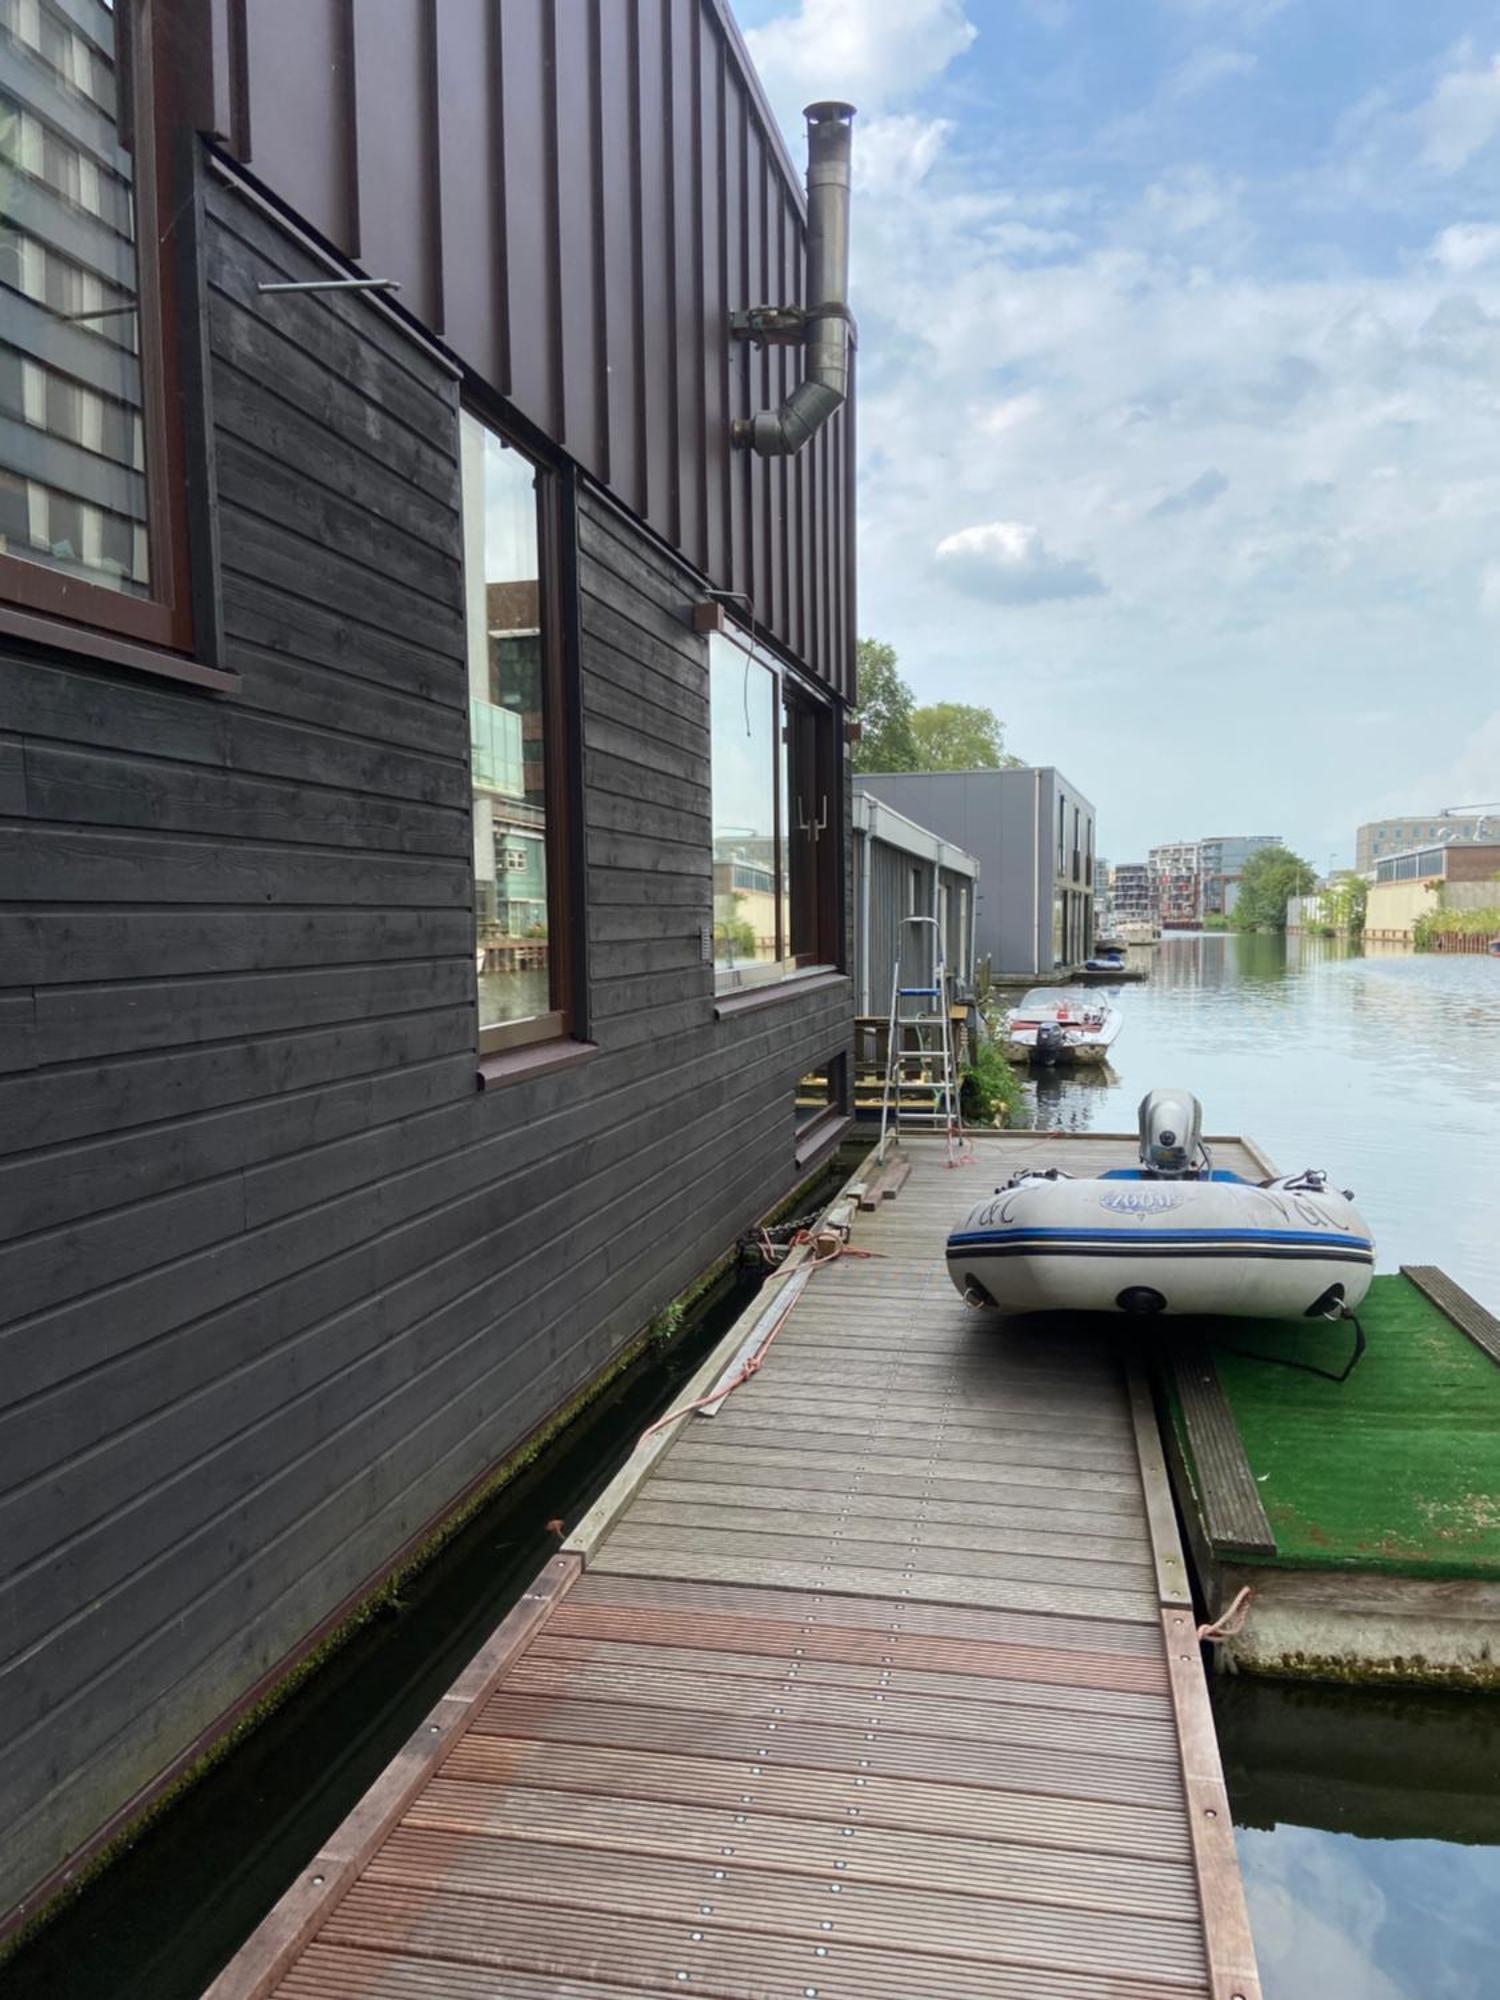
[918, 992]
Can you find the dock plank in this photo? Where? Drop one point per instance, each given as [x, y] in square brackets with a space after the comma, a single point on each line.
[871, 1688]
[1466, 1313]
[1228, 1494]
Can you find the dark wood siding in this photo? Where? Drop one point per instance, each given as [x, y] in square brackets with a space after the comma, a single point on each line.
[278, 1283]
[551, 184]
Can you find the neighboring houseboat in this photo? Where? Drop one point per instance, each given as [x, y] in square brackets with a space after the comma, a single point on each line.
[1032, 833]
[423, 748]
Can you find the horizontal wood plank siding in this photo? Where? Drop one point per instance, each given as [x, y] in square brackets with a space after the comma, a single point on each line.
[278, 1282]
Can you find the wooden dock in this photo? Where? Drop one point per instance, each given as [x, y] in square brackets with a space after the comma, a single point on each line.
[882, 1681]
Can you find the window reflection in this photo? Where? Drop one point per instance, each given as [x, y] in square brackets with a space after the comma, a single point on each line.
[747, 867]
[507, 727]
[72, 455]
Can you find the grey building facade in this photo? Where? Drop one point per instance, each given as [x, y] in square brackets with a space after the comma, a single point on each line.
[1032, 833]
[901, 870]
[1378, 838]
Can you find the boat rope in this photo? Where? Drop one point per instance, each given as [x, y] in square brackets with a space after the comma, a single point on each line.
[1229, 1622]
[828, 1247]
[1306, 1367]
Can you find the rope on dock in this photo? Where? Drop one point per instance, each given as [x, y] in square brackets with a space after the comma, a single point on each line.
[1229, 1622]
[828, 1245]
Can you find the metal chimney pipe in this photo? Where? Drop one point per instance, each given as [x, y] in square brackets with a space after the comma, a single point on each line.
[828, 325]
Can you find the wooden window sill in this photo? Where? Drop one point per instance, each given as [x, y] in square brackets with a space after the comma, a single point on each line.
[535, 1059]
[822, 1135]
[60, 637]
[748, 999]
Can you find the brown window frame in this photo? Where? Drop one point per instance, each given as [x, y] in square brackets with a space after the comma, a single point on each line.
[794, 694]
[557, 562]
[39, 604]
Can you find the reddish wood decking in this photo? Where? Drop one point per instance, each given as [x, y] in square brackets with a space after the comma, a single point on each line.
[883, 1683]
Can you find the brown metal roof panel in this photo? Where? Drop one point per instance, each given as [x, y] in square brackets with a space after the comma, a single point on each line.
[713, 169]
[1031, 1818]
[300, 123]
[472, 182]
[576, 259]
[621, 280]
[658, 300]
[526, 112]
[688, 273]
[396, 163]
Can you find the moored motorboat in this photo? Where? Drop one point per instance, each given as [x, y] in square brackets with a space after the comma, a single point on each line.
[1106, 958]
[1062, 1024]
[1172, 1235]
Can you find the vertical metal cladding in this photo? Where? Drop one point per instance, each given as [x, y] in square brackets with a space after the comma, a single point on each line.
[577, 198]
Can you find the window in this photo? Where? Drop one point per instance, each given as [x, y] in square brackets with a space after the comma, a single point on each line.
[92, 515]
[516, 716]
[776, 820]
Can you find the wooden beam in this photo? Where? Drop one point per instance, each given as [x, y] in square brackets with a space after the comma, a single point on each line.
[1466, 1313]
[1227, 1491]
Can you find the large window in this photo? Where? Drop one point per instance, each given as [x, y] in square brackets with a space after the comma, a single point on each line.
[92, 522]
[775, 820]
[515, 720]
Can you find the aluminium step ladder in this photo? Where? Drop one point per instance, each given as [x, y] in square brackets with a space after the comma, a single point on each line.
[922, 1083]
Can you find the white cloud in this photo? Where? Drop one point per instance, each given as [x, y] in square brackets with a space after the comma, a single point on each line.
[872, 55]
[1007, 562]
[1467, 246]
[893, 155]
[1462, 115]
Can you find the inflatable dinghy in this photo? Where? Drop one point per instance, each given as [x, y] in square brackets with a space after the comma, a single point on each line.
[1174, 1235]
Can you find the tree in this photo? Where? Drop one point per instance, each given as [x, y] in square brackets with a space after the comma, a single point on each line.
[954, 736]
[1343, 902]
[885, 707]
[897, 736]
[1271, 875]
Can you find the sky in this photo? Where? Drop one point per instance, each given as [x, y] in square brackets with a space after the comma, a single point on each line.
[1179, 380]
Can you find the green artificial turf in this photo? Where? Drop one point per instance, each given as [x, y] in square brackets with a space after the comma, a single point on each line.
[1397, 1469]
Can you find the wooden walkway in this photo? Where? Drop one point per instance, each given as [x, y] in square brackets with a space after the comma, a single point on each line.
[881, 1682]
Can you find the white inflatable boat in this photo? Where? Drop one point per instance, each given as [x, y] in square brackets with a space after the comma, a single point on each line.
[1173, 1235]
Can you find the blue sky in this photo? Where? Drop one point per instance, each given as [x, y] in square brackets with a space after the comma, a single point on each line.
[1180, 389]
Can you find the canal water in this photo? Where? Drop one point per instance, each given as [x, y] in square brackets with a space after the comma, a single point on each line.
[1368, 1824]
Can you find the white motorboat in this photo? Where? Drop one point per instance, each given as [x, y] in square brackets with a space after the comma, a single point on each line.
[1057, 1024]
[1138, 931]
[1173, 1235]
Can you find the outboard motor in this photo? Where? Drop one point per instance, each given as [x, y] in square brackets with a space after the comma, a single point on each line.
[1171, 1134]
[1050, 1043]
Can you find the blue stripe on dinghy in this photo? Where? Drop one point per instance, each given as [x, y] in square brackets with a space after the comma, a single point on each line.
[1135, 1174]
[1334, 1238]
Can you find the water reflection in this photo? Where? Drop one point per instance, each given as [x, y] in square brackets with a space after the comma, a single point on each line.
[1381, 1066]
[1369, 1825]
[1368, 1828]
